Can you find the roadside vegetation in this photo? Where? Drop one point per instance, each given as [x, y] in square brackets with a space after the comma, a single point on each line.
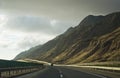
[107, 64]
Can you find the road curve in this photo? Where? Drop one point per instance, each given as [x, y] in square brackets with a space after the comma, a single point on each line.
[59, 72]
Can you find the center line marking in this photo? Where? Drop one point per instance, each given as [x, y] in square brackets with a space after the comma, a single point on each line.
[60, 72]
[61, 75]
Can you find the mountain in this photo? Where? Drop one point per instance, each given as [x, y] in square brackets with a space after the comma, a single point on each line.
[96, 38]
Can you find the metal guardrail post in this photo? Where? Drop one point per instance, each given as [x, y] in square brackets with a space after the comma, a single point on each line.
[0, 74]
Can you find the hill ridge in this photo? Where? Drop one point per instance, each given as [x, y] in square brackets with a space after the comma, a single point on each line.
[74, 45]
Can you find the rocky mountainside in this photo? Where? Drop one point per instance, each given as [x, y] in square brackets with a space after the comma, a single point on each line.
[96, 38]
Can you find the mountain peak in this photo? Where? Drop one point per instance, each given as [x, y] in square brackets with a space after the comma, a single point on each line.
[91, 20]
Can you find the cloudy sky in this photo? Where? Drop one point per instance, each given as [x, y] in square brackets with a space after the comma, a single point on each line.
[27, 23]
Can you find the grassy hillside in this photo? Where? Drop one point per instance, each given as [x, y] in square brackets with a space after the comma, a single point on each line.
[95, 39]
[104, 48]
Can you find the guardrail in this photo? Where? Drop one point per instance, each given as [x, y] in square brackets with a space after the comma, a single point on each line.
[112, 69]
[17, 71]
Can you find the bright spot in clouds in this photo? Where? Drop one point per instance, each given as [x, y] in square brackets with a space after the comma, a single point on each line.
[3, 18]
[53, 22]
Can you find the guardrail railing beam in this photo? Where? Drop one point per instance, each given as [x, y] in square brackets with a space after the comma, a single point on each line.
[10, 72]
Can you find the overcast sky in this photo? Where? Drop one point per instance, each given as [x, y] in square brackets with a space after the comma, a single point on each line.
[27, 23]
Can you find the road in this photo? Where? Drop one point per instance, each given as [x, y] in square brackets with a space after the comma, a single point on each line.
[60, 72]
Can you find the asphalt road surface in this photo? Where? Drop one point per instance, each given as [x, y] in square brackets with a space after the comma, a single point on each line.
[59, 72]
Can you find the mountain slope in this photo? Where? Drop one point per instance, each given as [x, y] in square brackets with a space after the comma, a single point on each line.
[104, 48]
[96, 38]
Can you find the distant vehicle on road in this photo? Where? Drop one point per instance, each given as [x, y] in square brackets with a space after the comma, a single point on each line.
[52, 64]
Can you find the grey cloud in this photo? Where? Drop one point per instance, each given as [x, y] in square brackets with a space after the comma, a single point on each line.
[4, 45]
[61, 9]
[103, 6]
[37, 24]
[27, 43]
[28, 23]
[61, 27]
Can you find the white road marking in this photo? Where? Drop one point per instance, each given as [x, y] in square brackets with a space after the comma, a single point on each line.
[61, 75]
[96, 67]
[60, 72]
